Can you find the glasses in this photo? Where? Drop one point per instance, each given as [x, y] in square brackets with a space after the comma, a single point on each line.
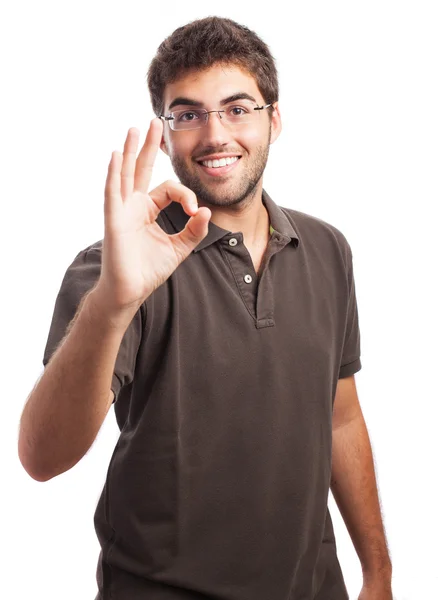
[195, 118]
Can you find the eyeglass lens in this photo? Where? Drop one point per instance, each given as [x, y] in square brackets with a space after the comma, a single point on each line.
[195, 118]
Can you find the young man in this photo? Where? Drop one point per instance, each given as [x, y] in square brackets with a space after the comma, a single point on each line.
[227, 330]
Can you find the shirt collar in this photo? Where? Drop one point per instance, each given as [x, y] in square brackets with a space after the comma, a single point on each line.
[278, 220]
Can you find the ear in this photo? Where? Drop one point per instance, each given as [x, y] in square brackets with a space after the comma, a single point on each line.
[275, 122]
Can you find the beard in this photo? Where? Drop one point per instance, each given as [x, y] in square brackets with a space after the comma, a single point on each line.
[218, 192]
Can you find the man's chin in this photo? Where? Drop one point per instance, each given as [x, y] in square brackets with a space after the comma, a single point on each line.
[214, 191]
[226, 196]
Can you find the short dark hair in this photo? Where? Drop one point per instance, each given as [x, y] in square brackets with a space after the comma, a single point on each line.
[205, 42]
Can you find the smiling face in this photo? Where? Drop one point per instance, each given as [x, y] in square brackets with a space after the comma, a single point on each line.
[241, 180]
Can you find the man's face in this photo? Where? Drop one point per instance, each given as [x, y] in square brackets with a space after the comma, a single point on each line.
[249, 140]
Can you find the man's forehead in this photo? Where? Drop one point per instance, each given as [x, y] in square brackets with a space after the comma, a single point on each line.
[212, 85]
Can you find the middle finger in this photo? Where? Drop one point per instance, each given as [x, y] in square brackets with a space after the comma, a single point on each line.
[129, 153]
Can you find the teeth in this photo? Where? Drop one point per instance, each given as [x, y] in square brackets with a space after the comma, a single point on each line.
[219, 163]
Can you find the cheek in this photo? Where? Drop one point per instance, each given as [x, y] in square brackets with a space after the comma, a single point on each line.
[181, 150]
[251, 139]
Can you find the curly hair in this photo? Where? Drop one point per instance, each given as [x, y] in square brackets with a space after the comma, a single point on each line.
[206, 42]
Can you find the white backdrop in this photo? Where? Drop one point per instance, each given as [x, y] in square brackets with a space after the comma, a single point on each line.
[359, 149]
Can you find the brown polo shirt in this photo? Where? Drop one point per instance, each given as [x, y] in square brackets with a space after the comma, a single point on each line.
[224, 388]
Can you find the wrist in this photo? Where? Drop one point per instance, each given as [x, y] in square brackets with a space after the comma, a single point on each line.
[381, 573]
[100, 312]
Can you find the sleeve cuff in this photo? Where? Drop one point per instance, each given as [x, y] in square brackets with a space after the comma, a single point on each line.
[116, 386]
[350, 368]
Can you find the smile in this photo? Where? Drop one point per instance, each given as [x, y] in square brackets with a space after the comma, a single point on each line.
[219, 167]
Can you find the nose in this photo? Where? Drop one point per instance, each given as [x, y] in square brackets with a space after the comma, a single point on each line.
[215, 132]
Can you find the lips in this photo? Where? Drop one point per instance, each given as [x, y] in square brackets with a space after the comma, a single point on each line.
[218, 171]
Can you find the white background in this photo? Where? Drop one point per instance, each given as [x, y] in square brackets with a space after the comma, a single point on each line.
[359, 149]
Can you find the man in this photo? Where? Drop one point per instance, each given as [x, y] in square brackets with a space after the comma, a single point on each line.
[227, 330]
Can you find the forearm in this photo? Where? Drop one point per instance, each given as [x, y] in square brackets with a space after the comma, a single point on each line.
[68, 404]
[354, 488]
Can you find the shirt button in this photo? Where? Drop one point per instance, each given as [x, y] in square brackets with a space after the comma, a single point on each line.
[248, 278]
[232, 242]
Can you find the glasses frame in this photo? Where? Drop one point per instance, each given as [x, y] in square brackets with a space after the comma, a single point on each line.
[207, 112]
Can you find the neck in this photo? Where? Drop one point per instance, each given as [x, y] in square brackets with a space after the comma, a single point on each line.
[250, 217]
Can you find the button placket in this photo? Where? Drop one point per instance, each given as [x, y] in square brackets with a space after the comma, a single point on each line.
[233, 242]
[257, 295]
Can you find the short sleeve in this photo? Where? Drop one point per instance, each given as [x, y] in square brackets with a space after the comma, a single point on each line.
[350, 362]
[80, 278]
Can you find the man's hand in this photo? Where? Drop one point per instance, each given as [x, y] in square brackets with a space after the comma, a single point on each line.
[376, 590]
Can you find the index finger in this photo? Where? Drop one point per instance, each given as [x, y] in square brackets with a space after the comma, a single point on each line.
[146, 158]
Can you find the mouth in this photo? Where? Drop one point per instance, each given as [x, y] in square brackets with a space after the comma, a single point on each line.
[219, 170]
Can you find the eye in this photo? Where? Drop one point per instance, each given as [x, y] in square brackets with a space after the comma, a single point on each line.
[237, 111]
[191, 116]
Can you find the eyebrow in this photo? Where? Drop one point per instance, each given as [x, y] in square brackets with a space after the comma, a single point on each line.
[181, 100]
